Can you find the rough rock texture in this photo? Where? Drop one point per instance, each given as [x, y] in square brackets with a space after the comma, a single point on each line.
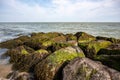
[51, 67]
[113, 40]
[16, 53]
[114, 49]
[83, 37]
[86, 69]
[16, 75]
[46, 54]
[14, 42]
[70, 37]
[28, 62]
[92, 48]
[110, 56]
[44, 40]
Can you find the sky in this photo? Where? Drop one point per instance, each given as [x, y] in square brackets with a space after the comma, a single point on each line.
[59, 10]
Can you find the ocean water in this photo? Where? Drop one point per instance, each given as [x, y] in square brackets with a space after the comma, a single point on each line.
[13, 30]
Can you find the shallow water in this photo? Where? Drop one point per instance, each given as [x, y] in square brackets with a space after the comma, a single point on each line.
[3, 59]
[12, 30]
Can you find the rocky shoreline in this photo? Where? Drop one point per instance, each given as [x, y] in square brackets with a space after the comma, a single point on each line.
[58, 56]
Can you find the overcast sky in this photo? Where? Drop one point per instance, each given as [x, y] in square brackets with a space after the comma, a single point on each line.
[59, 10]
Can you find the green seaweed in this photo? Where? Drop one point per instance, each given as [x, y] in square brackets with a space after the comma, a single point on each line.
[61, 56]
[23, 51]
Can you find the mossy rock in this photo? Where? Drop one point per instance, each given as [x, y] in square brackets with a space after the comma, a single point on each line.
[59, 39]
[28, 62]
[53, 42]
[46, 35]
[92, 48]
[50, 68]
[87, 69]
[34, 43]
[83, 37]
[14, 42]
[11, 44]
[44, 40]
[114, 49]
[41, 51]
[16, 53]
[72, 42]
[111, 61]
[37, 34]
[70, 37]
[113, 40]
[57, 46]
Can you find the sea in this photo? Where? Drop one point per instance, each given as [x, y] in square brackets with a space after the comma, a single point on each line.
[15, 29]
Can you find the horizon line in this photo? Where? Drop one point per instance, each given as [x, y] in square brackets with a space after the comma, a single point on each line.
[58, 22]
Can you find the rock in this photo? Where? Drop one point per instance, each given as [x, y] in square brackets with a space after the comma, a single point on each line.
[16, 75]
[86, 69]
[44, 40]
[46, 35]
[110, 56]
[59, 39]
[114, 49]
[109, 60]
[59, 45]
[4, 79]
[50, 68]
[28, 62]
[92, 48]
[72, 42]
[113, 40]
[70, 37]
[14, 42]
[16, 53]
[34, 43]
[83, 37]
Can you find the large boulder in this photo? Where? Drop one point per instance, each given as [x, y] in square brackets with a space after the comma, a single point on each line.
[113, 40]
[44, 40]
[51, 67]
[113, 49]
[14, 42]
[16, 53]
[109, 60]
[83, 37]
[92, 48]
[70, 37]
[28, 62]
[86, 69]
[110, 56]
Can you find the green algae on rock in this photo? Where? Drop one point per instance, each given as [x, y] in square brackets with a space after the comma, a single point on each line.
[28, 62]
[113, 40]
[44, 40]
[70, 37]
[47, 69]
[83, 37]
[111, 61]
[16, 53]
[113, 49]
[110, 56]
[86, 69]
[92, 48]
[46, 54]
[14, 42]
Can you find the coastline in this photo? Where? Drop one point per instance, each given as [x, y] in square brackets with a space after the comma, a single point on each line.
[32, 54]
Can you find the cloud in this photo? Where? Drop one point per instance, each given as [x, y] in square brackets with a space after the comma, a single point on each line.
[60, 10]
